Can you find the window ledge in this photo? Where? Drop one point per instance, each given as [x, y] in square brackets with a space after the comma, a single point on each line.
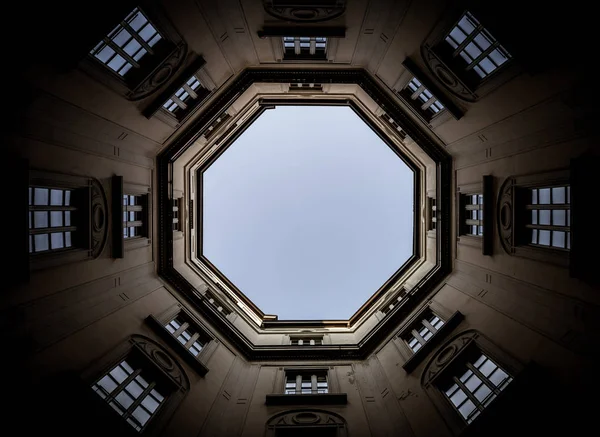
[439, 336]
[192, 361]
[308, 399]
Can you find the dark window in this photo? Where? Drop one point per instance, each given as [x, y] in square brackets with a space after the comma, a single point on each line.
[474, 384]
[134, 215]
[304, 47]
[306, 341]
[187, 334]
[472, 215]
[419, 333]
[52, 218]
[306, 382]
[131, 391]
[177, 225]
[549, 217]
[421, 99]
[475, 47]
[128, 45]
[186, 97]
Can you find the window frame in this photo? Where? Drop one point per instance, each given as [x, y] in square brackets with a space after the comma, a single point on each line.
[89, 194]
[331, 397]
[200, 331]
[157, 361]
[443, 365]
[144, 239]
[450, 320]
[484, 188]
[449, 71]
[512, 216]
[170, 55]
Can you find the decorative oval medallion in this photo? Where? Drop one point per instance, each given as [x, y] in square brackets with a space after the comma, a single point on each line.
[306, 418]
[98, 215]
[445, 355]
[162, 359]
[305, 14]
[506, 215]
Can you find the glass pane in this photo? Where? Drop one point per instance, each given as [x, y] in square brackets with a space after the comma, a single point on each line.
[498, 376]
[482, 392]
[147, 32]
[558, 239]
[124, 399]
[40, 196]
[534, 215]
[559, 217]
[141, 415]
[56, 218]
[126, 367]
[141, 381]
[57, 240]
[458, 398]
[458, 35]
[132, 216]
[544, 216]
[466, 409]
[568, 217]
[466, 24]
[487, 368]
[137, 21]
[482, 41]
[40, 219]
[472, 383]
[121, 38]
[116, 63]
[107, 384]
[132, 47]
[569, 194]
[452, 390]
[466, 375]
[139, 55]
[544, 237]
[544, 194]
[134, 389]
[119, 374]
[568, 240]
[487, 65]
[558, 195]
[30, 195]
[498, 57]
[472, 50]
[150, 403]
[534, 197]
[68, 239]
[451, 42]
[480, 361]
[534, 236]
[105, 54]
[41, 242]
[67, 218]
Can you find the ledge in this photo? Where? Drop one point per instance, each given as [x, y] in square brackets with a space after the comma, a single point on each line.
[191, 360]
[438, 337]
[308, 399]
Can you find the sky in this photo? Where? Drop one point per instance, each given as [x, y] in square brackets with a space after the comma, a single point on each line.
[308, 212]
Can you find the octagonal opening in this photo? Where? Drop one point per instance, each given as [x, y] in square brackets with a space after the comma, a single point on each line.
[308, 212]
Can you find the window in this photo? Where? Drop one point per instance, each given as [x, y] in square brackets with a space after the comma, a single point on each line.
[131, 392]
[186, 334]
[475, 45]
[306, 341]
[134, 215]
[52, 219]
[127, 44]
[185, 98]
[421, 99]
[177, 225]
[306, 382]
[423, 330]
[549, 211]
[475, 385]
[472, 220]
[432, 213]
[304, 47]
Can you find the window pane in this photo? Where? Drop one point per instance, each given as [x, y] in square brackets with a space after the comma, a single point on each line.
[139, 55]
[68, 239]
[472, 50]
[498, 377]
[119, 374]
[498, 57]
[534, 215]
[56, 218]
[544, 194]
[544, 215]
[458, 398]
[534, 197]
[67, 218]
[472, 383]
[124, 399]
[105, 54]
[457, 35]
[482, 393]
[116, 63]
[40, 219]
[534, 236]
[487, 65]
[544, 237]
[150, 403]
[466, 24]
[132, 47]
[141, 415]
[57, 240]
[147, 32]
[482, 41]
[40, 196]
[121, 38]
[558, 239]
[466, 409]
[487, 368]
[107, 383]
[134, 389]
[41, 242]
[558, 195]
[141, 381]
[559, 217]
[137, 21]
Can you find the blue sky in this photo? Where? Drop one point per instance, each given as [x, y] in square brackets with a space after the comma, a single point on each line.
[308, 213]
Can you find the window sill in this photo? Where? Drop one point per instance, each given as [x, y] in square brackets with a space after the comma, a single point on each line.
[439, 336]
[192, 361]
[308, 399]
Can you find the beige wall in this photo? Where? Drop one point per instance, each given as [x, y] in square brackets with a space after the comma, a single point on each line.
[67, 317]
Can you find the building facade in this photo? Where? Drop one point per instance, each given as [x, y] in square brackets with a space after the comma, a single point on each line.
[114, 322]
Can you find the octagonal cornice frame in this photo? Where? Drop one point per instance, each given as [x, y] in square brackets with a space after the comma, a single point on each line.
[387, 102]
